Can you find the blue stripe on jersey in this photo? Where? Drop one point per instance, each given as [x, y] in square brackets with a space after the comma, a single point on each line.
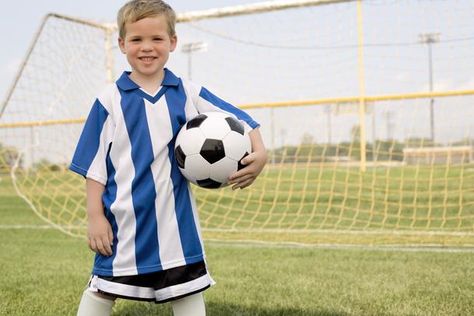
[215, 100]
[190, 242]
[89, 141]
[143, 187]
[103, 263]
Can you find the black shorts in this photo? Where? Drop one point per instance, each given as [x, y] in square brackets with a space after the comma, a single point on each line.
[160, 287]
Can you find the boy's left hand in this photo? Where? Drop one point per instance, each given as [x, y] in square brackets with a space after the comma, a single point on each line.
[253, 162]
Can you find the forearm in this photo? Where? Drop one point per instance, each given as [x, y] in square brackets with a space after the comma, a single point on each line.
[94, 192]
[257, 141]
[99, 230]
[254, 163]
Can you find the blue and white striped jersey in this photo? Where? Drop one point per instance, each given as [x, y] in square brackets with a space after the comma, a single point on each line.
[127, 144]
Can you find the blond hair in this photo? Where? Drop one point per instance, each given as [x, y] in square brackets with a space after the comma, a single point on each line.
[135, 10]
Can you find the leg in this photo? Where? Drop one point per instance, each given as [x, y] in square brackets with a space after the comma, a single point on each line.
[192, 305]
[95, 304]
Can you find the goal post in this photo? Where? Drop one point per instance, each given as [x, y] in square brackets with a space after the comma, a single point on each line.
[68, 60]
[347, 166]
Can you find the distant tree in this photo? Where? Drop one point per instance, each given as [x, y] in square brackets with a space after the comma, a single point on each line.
[8, 157]
[418, 142]
[355, 134]
[464, 142]
[307, 139]
[46, 165]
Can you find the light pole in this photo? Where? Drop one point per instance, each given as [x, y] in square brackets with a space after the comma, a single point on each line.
[430, 39]
[190, 48]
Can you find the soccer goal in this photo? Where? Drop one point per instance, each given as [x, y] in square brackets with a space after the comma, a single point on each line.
[363, 150]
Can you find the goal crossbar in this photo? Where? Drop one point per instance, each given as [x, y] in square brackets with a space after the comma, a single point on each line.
[253, 8]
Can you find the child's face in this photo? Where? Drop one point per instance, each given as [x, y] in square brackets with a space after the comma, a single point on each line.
[147, 45]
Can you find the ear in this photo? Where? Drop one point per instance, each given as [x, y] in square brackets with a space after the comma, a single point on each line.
[121, 44]
[174, 42]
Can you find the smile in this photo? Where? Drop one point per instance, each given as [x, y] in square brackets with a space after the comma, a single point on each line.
[147, 58]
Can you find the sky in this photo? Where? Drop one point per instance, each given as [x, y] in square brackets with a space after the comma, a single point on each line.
[314, 56]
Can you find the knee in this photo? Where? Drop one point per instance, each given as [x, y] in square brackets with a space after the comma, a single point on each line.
[192, 305]
[93, 303]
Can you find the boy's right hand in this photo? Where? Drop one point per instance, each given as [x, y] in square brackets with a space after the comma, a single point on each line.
[100, 235]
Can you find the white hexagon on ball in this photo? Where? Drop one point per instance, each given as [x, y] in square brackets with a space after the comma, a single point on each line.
[223, 169]
[194, 140]
[215, 126]
[236, 146]
[196, 168]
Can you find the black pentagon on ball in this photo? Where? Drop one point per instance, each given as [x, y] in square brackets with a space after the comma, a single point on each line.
[196, 121]
[209, 184]
[235, 125]
[180, 156]
[212, 150]
[239, 164]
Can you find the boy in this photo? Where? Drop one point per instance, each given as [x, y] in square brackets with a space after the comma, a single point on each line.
[143, 223]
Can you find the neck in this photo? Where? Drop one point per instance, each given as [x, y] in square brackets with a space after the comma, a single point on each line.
[148, 83]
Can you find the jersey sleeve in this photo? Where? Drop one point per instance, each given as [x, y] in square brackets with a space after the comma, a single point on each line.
[206, 101]
[90, 156]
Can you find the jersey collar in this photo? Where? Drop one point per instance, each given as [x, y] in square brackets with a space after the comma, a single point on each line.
[126, 84]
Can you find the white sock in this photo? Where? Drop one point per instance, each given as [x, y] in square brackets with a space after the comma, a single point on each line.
[92, 304]
[192, 305]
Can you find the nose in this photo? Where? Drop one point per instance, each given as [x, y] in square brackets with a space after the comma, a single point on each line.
[146, 46]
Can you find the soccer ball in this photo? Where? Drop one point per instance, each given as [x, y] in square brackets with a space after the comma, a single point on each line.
[209, 148]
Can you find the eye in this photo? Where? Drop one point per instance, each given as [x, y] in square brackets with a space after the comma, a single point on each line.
[157, 39]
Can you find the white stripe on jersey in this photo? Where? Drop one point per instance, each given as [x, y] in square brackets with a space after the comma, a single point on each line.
[171, 252]
[97, 170]
[121, 155]
[196, 216]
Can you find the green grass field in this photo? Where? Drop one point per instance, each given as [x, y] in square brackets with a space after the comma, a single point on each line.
[45, 271]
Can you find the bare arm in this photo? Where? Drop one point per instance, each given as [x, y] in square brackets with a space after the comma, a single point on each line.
[99, 229]
[254, 163]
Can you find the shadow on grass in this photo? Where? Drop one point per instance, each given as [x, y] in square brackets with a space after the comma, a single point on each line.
[220, 309]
